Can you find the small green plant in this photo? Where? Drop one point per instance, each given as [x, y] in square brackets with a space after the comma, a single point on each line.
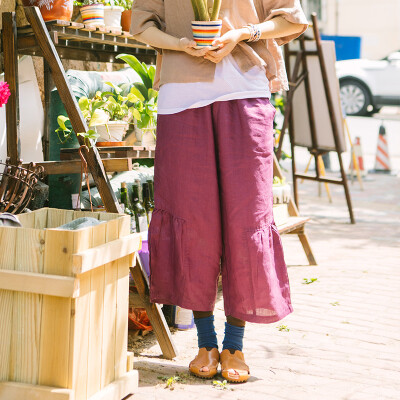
[278, 181]
[283, 328]
[224, 385]
[102, 108]
[200, 8]
[307, 281]
[170, 381]
[335, 303]
[148, 109]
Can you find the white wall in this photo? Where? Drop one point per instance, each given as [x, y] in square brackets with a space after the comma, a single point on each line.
[31, 115]
[376, 21]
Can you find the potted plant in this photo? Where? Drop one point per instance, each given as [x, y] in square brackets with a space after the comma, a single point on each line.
[206, 26]
[52, 9]
[145, 127]
[112, 13]
[92, 12]
[281, 191]
[108, 115]
[126, 14]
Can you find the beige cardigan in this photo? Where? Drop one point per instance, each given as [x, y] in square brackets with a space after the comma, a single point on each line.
[174, 17]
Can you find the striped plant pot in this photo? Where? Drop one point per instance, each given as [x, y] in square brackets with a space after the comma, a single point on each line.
[93, 14]
[204, 32]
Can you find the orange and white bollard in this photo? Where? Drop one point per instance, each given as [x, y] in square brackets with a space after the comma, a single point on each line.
[382, 160]
[357, 160]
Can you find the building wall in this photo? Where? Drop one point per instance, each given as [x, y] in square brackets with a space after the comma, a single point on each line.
[377, 22]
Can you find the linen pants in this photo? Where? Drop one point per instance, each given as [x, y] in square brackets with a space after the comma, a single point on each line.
[213, 212]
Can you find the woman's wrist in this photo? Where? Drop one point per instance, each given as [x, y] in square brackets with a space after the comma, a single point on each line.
[244, 34]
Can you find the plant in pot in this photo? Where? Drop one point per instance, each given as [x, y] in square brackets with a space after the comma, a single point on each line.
[108, 114]
[145, 127]
[92, 12]
[126, 14]
[52, 9]
[206, 26]
[112, 13]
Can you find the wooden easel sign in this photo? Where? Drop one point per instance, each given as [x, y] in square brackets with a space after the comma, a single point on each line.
[323, 126]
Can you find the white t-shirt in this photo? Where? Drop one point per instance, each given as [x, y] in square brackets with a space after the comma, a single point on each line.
[230, 83]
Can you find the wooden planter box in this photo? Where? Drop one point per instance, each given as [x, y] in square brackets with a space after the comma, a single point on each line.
[64, 298]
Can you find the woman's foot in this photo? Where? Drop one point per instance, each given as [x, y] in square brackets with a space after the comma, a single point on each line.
[205, 365]
[233, 367]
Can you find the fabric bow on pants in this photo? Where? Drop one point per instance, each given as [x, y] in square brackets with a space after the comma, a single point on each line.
[213, 212]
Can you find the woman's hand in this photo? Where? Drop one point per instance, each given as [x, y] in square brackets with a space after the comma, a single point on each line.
[226, 44]
[188, 46]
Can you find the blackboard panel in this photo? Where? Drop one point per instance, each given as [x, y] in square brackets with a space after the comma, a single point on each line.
[324, 132]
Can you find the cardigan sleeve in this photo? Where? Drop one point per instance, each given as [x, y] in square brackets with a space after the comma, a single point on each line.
[290, 10]
[147, 13]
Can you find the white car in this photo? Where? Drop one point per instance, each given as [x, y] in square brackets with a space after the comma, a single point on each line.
[367, 85]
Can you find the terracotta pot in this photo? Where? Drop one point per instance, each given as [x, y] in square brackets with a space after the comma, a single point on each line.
[52, 9]
[126, 20]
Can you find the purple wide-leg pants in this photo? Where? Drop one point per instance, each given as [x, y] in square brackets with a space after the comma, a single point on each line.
[213, 212]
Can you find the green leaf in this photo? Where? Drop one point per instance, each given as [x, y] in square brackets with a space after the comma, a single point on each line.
[153, 94]
[152, 72]
[84, 103]
[140, 90]
[132, 98]
[117, 89]
[136, 114]
[99, 117]
[135, 64]
[61, 119]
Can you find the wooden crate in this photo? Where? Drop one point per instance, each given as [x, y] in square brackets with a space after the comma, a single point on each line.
[64, 299]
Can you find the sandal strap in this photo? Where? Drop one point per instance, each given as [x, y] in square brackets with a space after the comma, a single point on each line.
[233, 361]
[206, 358]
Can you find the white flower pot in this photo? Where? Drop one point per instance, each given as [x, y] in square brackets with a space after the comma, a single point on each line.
[112, 16]
[281, 193]
[145, 136]
[117, 130]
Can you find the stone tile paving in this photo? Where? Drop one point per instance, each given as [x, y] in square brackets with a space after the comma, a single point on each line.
[344, 334]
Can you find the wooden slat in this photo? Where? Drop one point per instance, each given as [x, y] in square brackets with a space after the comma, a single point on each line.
[38, 283]
[74, 166]
[78, 122]
[40, 218]
[110, 309]
[56, 217]
[56, 312]
[120, 388]
[292, 224]
[27, 308]
[121, 328]
[14, 390]
[27, 219]
[79, 329]
[154, 313]
[96, 317]
[7, 262]
[130, 361]
[103, 254]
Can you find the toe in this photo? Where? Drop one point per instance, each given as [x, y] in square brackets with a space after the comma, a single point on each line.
[204, 369]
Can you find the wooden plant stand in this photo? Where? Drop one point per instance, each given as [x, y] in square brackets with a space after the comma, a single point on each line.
[64, 298]
[296, 223]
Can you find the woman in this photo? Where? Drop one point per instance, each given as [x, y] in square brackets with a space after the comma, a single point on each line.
[214, 169]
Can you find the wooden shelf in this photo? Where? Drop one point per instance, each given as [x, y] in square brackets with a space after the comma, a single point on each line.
[113, 152]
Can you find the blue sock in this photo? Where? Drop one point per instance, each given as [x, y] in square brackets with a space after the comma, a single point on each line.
[233, 339]
[206, 335]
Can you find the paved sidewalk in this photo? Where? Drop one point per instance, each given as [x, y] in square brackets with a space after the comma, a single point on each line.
[344, 335]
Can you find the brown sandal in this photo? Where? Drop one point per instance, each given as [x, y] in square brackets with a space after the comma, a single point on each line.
[205, 358]
[233, 367]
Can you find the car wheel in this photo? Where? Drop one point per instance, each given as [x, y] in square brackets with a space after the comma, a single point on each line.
[355, 97]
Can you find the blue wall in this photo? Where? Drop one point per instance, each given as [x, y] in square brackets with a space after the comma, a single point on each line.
[347, 47]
